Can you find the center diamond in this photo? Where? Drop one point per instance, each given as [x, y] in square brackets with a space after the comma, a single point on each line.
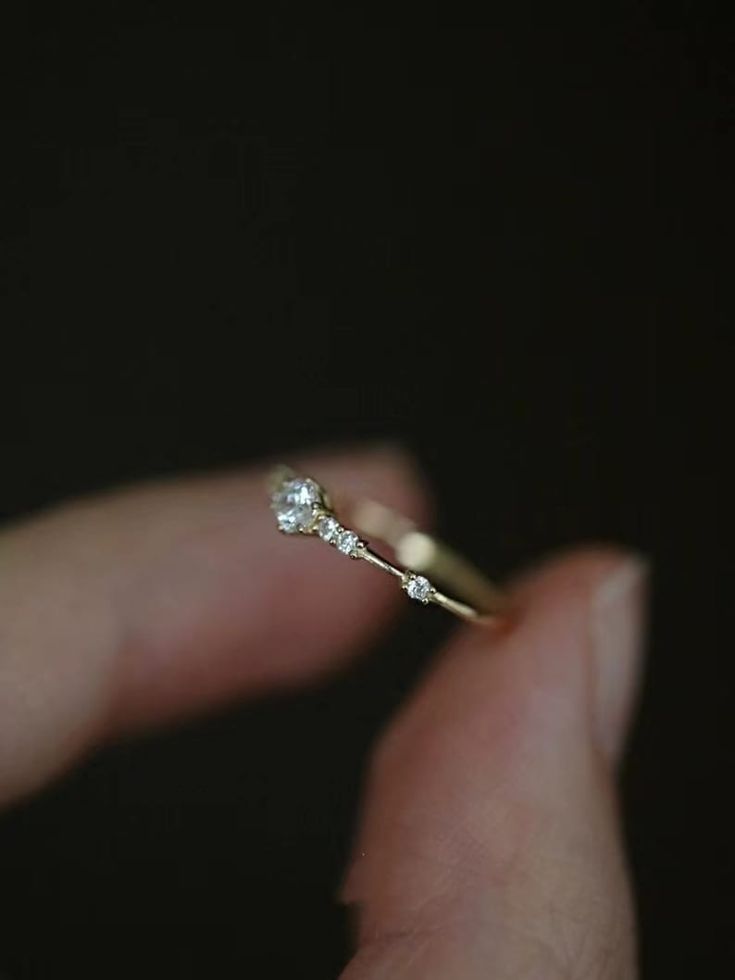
[296, 503]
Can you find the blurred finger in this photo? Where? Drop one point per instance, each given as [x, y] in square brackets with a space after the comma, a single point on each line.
[127, 610]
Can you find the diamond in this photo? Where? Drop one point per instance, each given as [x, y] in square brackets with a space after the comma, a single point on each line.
[418, 587]
[348, 543]
[295, 504]
[327, 528]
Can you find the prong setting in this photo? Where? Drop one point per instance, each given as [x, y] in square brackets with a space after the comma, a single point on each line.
[328, 528]
[348, 543]
[296, 502]
[418, 587]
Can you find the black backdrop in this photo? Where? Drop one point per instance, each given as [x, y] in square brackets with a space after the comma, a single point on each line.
[507, 250]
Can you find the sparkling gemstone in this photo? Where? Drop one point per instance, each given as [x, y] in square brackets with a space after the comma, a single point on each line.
[295, 504]
[347, 543]
[418, 588]
[327, 528]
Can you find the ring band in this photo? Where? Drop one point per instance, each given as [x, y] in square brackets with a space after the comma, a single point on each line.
[303, 506]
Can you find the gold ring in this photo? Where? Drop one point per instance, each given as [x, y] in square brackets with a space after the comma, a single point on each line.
[303, 506]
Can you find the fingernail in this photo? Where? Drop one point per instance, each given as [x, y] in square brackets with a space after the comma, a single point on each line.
[617, 625]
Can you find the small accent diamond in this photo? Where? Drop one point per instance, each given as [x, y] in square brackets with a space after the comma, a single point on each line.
[295, 504]
[327, 528]
[418, 587]
[348, 543]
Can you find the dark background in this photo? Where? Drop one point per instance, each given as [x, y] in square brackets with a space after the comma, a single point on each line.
[509, 250]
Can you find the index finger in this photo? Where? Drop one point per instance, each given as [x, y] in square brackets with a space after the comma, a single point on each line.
[131, 609]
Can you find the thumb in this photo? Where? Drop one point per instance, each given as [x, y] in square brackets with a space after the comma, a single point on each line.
[490, 844]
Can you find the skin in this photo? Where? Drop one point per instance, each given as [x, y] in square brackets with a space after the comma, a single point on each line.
[489, 845]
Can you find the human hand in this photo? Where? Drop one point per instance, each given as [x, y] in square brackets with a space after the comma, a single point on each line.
[490, 845]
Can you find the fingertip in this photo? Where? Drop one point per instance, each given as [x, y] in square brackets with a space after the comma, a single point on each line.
[576, 633]
[594, 599]
[175, 596]
[490, 798]
[299, 606]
